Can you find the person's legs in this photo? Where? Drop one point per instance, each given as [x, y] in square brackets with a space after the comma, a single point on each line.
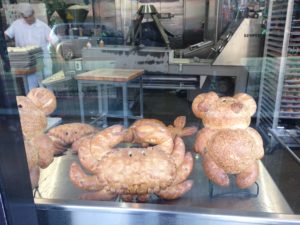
[47, 65]
[33, 80]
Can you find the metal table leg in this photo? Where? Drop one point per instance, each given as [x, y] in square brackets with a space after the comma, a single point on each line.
[241, 81]
[141, 98]
[80, 95]
[100, 101]
[125, 104]
[26, 86]
[105, 101]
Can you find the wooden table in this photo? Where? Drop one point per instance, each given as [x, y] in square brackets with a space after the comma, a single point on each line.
[102, 78]
[23, 74]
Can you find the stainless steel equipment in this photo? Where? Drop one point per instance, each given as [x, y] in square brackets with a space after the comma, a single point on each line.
[239, 44]
[190, 21]
[201, 58]
[57, 203]
[135, 32]
[162, 69]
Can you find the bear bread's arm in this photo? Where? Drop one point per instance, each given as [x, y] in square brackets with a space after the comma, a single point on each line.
[202, 138]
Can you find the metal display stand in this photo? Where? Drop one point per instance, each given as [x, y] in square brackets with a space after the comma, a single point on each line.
[279, 99]
[288, 138]
[233, 191]
[58, 203]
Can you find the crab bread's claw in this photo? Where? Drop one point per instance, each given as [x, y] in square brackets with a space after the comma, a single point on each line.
[179, 129]
[176, 191]
[184, 163]
[66, 134]
[83, 181]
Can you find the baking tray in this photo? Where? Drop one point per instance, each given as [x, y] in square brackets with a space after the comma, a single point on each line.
[56, 185]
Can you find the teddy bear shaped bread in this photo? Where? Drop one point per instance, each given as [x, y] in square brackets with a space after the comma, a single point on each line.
[42, 146]
[227, 144]
[33, 111]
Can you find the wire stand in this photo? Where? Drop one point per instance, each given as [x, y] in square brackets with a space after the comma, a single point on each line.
[36, 192]
[235, 191]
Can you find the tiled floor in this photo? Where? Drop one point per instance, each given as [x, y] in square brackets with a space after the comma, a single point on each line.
[167, 105]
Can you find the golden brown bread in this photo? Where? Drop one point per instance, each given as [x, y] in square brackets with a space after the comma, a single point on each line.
[90, 183]
[133, 173]
[214, 172]
[174, 192]
[184, 169]
[33, 120]
[203, 102]
[44, 99]
[226, 143]
[224, 112]
[38, 146]
[259, 150]
[45, 148]
[202, 137]
[248, 176]
[31, 154]
[177, 128]
[66, 134]
[232, 150]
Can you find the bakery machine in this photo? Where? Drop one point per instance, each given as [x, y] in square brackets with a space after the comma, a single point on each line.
[203, 60]
[135, 34]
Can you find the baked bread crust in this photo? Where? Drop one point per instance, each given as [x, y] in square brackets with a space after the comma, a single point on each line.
[226, 143]
[38, 146]
[224, 112]
[44, 99]
[33, 120]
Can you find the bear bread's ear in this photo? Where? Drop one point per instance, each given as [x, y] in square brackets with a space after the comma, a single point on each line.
[203, 102]
[248, 101]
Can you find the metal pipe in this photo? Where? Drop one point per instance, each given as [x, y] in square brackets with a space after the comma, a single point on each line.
[217, 21]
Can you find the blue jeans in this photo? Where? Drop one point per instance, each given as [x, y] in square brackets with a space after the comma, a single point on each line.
[34, 79]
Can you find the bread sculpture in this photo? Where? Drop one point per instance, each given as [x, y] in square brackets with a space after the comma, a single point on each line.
[41, 147]
[33, 109]
[69, 134]
[134, 173]
[227, 144]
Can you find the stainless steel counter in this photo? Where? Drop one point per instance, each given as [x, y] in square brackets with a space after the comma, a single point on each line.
[57, 203]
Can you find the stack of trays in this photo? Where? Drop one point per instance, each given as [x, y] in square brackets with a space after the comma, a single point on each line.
[290, 104]
[25, 60]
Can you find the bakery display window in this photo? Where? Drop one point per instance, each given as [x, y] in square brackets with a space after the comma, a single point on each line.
[156, 112]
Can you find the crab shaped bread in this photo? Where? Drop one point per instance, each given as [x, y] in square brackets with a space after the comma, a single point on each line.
[133, 173]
